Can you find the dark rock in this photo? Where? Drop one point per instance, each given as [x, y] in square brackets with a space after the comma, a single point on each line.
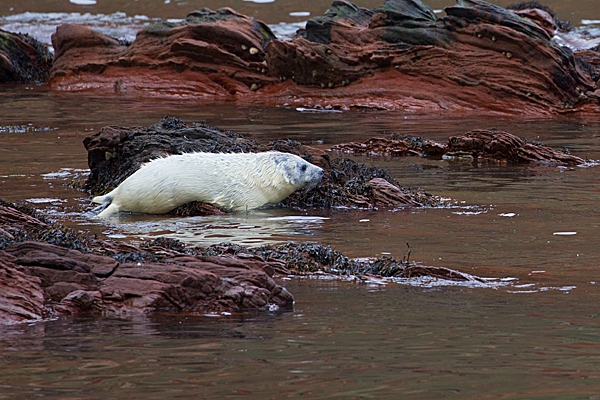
[23, 59]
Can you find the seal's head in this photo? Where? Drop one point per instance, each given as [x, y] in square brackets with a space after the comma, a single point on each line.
[297, 171]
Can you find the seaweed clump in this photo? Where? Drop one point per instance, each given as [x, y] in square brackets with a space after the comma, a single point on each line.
[27, 224]
[310, 258]
[23, 59]
[347, 184]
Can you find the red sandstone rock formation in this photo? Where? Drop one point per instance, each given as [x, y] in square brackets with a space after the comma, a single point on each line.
[401, 56]
[214, 54]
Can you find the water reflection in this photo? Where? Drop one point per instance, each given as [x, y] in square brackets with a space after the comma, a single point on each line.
[252, 228]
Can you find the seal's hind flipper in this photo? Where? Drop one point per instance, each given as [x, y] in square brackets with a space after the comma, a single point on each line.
[100, 208]
[111, 209]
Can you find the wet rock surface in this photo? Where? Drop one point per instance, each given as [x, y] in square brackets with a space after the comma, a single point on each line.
[400, 56]
[23, 59]
[114, 153]
[478, 145]
[48, 270]
[310, 258]
[494, 146]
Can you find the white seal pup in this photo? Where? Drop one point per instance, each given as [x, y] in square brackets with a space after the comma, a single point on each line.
[235, 181]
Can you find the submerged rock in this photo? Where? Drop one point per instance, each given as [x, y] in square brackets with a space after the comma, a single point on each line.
[23, 59]
[393, 146]
[400, 56]
[114, 153]
[479, 145]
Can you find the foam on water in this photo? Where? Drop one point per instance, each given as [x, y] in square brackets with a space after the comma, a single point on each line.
[42, 25]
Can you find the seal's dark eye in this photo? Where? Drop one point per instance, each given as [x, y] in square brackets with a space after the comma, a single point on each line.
[303, 168]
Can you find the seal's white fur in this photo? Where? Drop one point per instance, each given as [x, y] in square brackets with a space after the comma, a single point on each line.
[236, 181]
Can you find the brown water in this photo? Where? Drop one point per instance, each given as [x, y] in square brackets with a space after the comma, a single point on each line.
[533, 332]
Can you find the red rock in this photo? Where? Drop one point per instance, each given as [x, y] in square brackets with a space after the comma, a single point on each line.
[476, 145]
[479, 57]
[388, 195]
[213, 54]
[21, 296]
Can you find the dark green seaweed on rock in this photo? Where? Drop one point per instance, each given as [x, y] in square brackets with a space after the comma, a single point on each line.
[17, 229]
[310, 258]
[347, 185]
[23, 59]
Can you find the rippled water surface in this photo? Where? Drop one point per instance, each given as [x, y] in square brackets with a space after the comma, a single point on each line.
[534, 230]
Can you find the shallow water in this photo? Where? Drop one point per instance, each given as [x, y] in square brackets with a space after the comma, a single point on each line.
[532, 334]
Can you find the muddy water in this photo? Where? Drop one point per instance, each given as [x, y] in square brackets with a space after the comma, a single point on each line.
[533, 333]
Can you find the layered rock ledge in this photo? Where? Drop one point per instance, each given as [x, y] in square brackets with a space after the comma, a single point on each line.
[400, 56]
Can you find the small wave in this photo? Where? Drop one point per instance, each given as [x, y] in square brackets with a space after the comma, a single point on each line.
[508, 215]
[565, 289]
[24, 129]
[317, 110]
[42, 200]
[66, 173]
